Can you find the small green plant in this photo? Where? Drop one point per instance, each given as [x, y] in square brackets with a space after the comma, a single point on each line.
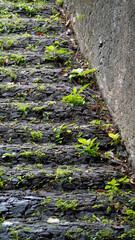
[46, 201]
[109, 154]
[114, 137]
[39, 165]
[74, 98]
[17, 59]
[39, 109]
[104, 234]
[27, 154]
[10, 27]
[80, 74]
[65, 205]
[112, 187]
[30, 10]
[38, 80]
[54, 52]
[8, 72]
[96, 122]
[80, 16]
[41, 88]
[2, 172]
[128, 234]
[59, 2]
[63, 175]
[35, 135]
[89, 147]
[106, 126]
[60, 132]
[9, 155]
[21, 179]
[74, 234]
[23, 108]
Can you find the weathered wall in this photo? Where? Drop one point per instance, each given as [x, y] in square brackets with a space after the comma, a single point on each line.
[106, 35]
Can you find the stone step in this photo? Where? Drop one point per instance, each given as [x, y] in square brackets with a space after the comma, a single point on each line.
[46, 154]
[56, 112]
[23, 25]
[58, 178]
[33, 43]
[32, 58]
[57, 133]
[43, 204]
[60, 215]
[60, 231]
[32, 153]
[29, 75]
[41, 91]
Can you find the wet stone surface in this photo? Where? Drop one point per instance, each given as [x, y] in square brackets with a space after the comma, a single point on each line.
[51, 188]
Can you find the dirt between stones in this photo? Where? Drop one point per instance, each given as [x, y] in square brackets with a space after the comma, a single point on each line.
[52, 185]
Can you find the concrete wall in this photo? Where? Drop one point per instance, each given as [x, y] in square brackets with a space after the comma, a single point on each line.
[106, 35]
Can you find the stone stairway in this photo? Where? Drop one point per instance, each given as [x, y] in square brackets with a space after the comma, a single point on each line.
[49, 188]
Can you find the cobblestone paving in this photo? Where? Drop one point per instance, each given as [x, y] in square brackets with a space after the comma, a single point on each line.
[52, 185]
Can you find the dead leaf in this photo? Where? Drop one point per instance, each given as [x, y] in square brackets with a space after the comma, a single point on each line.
[118, 226]
[94, 108]
[62, 89]
[68, 23]
[74, 45]
[6, 60]
[40, 34]
[112, 204]
[132, 181]
[99, 191]
[64, 74]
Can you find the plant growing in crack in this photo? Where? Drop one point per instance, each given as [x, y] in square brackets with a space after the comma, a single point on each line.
[60, 132]
[112, 187]
[2, 172]
[59, 2]
[80, 75]
[23, 108]
[35, 135]
[28, 154]
[66, 205]
[9, 155]
[53, 52]
[114, 137]
[63, 175]
[46, 201]
[89, 146]
[74, 98]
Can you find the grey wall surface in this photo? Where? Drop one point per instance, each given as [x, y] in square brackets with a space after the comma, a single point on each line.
[106, 35]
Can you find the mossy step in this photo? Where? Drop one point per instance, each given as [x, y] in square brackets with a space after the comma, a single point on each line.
[40, 91]
[56, 112]
[57, 178]
[32, 58]
[34, 43]
[23, 25]
[77, 206]
[58, 133]
[29, 75]
[60, 231]
[40, 11]
[81, 214]
[11, 154]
